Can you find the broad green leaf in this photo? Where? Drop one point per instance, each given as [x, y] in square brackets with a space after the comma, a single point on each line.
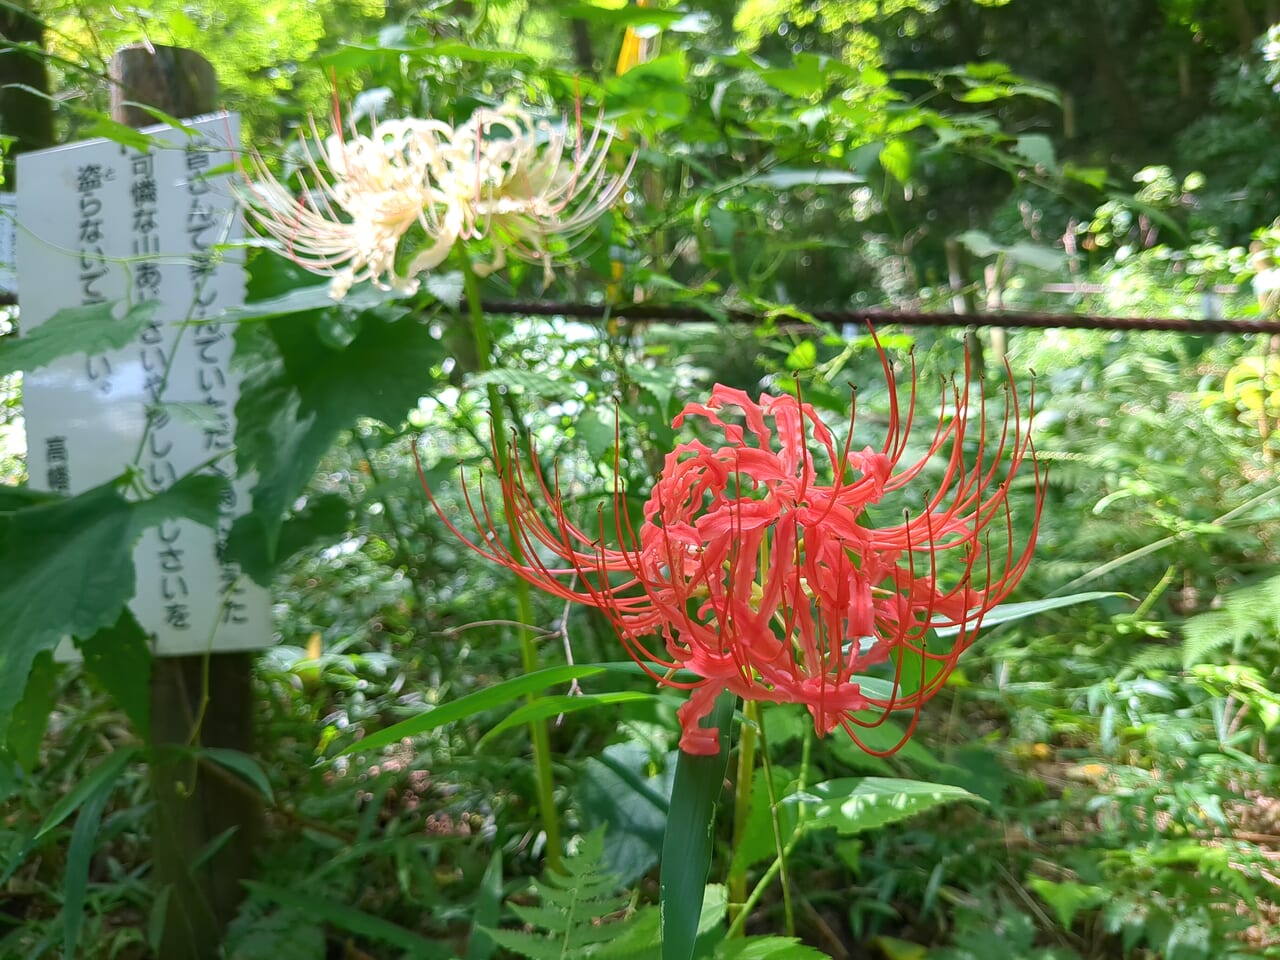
[1036, 149]
[323, 910]
[90, 329]
[101, 777]
[545, 707]
[618, 789]
[897, 158]
[687, 847]
[300, 394]
[66, 567]
[865, 803]
[119, 658]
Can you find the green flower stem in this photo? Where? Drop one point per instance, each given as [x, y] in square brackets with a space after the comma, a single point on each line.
[781, 861]
[739, 922]
[737, 879]
[524, 605]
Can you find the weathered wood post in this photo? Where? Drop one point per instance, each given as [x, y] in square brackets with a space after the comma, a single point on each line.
[199, 808]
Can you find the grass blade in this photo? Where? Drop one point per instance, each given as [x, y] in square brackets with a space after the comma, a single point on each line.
[687, 846]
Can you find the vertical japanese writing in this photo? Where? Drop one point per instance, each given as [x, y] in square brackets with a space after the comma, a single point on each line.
[157, 464]
[212, 357]
[57, 476]
[90, 178]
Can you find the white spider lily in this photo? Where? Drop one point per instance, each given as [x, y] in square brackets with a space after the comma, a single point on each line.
[350, 222]
[501, 176]
[521, 191]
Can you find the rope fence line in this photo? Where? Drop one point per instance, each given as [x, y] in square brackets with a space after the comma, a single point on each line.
[690, 313]
[681, 313]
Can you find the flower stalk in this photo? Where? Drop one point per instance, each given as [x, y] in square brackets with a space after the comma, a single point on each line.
[539, 738]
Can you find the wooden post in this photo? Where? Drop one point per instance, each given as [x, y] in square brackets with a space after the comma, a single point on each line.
[25, 114]
[202, 814]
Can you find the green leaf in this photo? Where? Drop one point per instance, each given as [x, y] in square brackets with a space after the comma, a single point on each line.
[689, 841]
[66, 567]
[786, 179]
[619, 789]
[758, 841]
[498, 695]
[1036, 149]
[1010, 612]
[31, 716]
[80, 850]
[103, 776]
[628, 16]
[545, 707]
[803, 356]
[767, 948]
[90, 329]
[323, 910]
[241, 764]
[299, 395]
[897, 158]
[530, 381]
[1067, 898]
[119, 658]
[855, 804]
[488, 911]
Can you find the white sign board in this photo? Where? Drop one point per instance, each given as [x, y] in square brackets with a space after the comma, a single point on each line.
[8, 238]
[100, 222]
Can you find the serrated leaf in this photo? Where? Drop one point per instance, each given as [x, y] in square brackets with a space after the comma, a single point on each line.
[66, 567]
[853, 805]
[119, 659]
[291, 410]
[31, 716]
[90, 329]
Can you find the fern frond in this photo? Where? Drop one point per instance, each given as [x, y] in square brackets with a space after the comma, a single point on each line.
[1249, 613]
[575, 912]
[1156, 658]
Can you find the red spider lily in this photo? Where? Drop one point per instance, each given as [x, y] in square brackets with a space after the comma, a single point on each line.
[758, 570]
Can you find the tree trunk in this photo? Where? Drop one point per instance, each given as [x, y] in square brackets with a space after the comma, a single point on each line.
[1246, 31]
[26, 116]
